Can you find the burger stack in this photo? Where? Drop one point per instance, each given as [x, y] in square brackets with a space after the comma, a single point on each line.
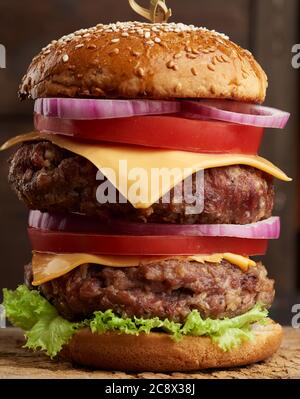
[127, 281]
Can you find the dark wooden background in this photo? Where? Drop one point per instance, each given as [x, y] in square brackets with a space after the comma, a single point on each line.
[269, 28]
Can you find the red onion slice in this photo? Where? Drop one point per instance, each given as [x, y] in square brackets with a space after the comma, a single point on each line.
[87, 109]
[266, 229]
[235, 112]
[222, 110]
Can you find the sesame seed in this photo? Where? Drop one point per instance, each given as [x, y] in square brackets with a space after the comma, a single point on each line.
[47, 52]
[92, 46]
[178, 87]
[150, 42]
[225, 58]
[125, 34]
[211, 67]
[172, 65]
[157, 40]
[194, 71]
[98, 91]
[177, 56]
[115, 40]
[140, 72]
[191, 56]
[79, 45]
[147, 35]
[136, 53]
[115, 51]
[65, 58]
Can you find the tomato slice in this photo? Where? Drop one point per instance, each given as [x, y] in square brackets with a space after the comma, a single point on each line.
[65, 242]
[170, 132]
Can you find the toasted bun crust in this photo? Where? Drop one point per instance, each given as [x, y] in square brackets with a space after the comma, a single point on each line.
[158, 353]
[140, 60]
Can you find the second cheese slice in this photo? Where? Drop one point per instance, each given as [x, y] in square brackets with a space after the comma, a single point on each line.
[48, 266]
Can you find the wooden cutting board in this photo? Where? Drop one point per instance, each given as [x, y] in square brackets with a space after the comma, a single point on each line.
[16, 362]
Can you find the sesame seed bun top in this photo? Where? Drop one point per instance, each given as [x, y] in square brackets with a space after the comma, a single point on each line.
[141, 60]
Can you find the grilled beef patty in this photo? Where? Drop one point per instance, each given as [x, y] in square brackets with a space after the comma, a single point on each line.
[166, 289]
[49, 178]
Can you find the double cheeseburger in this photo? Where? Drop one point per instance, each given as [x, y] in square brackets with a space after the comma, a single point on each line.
[126, 281]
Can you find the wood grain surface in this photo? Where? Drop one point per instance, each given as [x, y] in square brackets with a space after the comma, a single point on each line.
[16, 362]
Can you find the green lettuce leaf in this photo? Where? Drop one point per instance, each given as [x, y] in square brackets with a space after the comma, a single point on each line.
[227, 333]
[109, 321]
[25, 308]
[50, 334]
[46, 330]
[233, 338]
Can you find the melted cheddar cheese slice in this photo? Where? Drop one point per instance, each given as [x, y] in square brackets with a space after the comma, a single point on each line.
[48, 266]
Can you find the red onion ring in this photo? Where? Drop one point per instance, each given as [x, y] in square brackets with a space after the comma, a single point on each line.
[266, 229]
[235, 112]
[222, 110]
[86, 109]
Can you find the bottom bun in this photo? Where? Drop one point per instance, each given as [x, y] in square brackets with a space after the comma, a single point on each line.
[157, 352]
